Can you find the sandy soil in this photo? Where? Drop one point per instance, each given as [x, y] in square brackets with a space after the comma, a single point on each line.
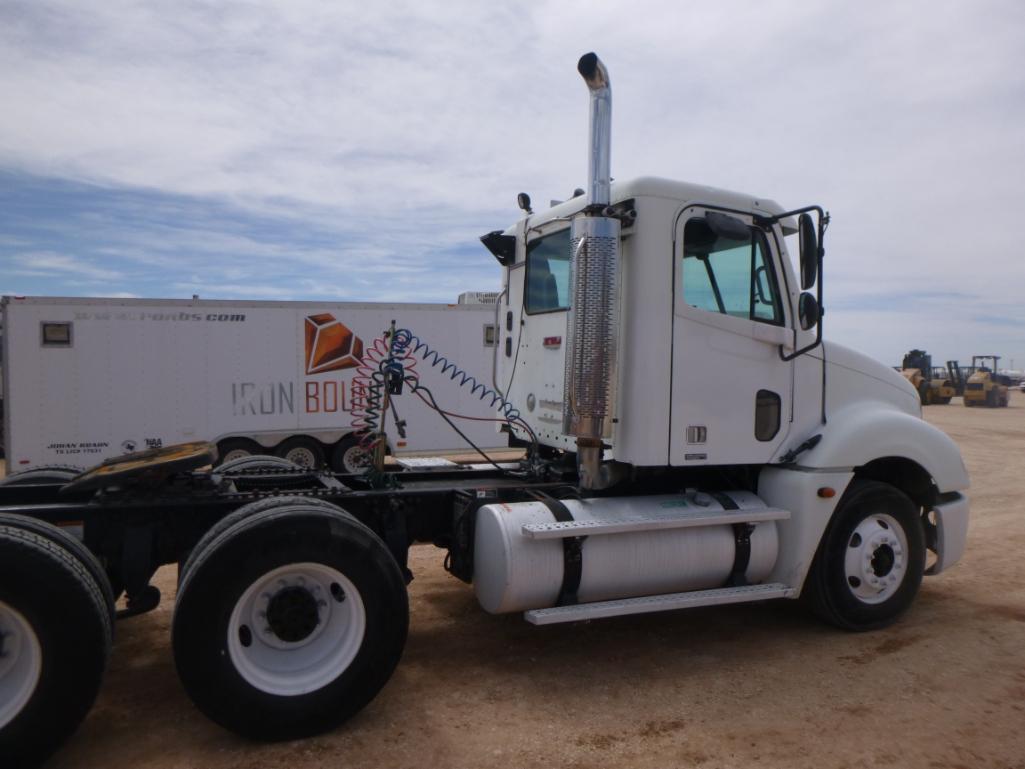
[726, 687]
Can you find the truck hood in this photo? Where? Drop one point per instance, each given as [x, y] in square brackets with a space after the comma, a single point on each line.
[865, 378]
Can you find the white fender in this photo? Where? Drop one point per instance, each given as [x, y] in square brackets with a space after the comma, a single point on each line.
[867, 430]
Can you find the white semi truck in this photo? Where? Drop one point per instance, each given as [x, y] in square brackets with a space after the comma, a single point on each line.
[691, 441]
[88, 379]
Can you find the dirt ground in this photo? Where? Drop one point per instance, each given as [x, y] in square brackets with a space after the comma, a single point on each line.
[735, 686]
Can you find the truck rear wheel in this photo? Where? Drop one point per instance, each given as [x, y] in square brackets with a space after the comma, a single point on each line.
[55, 640]
[289, 621]
[257, 462]
[870, 562]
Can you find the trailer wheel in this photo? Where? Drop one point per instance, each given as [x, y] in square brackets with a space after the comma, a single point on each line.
[303, 451]
[257, 462]
[55, 639]
[870, 562]
[349, 456]
[42, 474]
[289, 621]
[237, 448]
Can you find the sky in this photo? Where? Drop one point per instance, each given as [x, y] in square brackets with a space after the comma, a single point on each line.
[356, 151]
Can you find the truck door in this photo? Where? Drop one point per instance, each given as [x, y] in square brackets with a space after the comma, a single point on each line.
[731, 392]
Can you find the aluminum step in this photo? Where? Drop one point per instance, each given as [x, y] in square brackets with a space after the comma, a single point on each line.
[652, 603]
[680, 520]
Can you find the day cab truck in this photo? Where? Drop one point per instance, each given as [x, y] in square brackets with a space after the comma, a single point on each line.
[690, 441]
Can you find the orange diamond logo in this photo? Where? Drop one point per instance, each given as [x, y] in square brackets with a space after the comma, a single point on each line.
[330, 344]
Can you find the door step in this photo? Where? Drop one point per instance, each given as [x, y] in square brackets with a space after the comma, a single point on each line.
[652, 603]
[684, 520]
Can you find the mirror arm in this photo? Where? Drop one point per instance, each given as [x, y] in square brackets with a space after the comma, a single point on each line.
[768, 221]
[823, 223]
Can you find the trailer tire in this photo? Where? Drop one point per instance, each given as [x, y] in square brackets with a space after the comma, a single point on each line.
[236, 448]
[304, 452]
[257, 462]
[349, 456]
[41, 474]
[870, 562]
[333, 608]
[58, 633]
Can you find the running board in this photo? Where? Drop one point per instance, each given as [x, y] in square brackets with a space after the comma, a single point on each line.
[563, 529]
[653, 603]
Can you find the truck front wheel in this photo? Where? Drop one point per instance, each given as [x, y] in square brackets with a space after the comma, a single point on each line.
[289, 622]
[870, 562]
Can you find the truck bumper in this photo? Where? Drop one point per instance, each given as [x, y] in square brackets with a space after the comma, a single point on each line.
[951, 531]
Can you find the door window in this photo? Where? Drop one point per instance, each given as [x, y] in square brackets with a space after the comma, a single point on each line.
[728, 276]
[548, 273]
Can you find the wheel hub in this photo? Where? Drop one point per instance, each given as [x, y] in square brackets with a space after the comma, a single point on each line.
[293, 614]
[296, 628]
[20, 662]
[875, 563]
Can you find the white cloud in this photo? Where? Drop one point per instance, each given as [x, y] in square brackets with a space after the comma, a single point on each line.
[406, 128]
[48, 263]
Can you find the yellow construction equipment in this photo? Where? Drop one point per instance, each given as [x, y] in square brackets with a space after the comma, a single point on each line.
[985, 387]
[917, 369]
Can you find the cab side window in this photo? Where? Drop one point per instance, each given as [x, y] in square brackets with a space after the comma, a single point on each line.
[728, 276]
[548, 273]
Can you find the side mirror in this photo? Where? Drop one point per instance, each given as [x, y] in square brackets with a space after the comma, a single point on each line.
[809, 311]
[809, 246]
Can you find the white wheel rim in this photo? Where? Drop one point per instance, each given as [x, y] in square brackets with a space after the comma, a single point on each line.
[274, 663]
[876, 560]
[21, 662]
[234, 454]
[302, 456]
[355, 459]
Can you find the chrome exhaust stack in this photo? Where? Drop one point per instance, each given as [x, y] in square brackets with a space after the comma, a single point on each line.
[592, 325]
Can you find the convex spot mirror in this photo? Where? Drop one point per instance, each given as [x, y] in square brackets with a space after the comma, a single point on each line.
[809, 246]
[809, 311]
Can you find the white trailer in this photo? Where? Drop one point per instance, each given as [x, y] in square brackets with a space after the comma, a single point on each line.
[88, 379]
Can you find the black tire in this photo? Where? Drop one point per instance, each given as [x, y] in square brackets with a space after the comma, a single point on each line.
[259, 506]
[237, 448]
[84, 555]
[349, 457]
[260, 547]
[257, 462]
[303, 451]
[41, 474]
[61, 607]
[991, 399]
[829, 588]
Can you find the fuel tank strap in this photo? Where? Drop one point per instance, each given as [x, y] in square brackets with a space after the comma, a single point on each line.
[572, 551]
[742, 542]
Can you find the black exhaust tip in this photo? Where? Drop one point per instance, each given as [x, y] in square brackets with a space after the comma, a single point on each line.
[588, 65]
